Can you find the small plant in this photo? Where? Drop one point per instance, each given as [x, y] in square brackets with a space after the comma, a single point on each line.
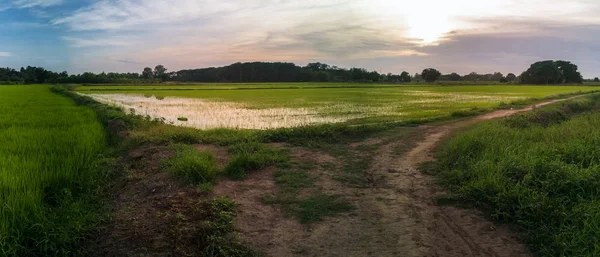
[194, 166]
[160, 97]
[182, 119]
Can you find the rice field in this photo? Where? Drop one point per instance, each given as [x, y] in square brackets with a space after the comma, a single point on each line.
[47, 146]
[268, 106]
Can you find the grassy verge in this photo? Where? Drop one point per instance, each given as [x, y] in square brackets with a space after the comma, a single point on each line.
[216, 235]
[538, 170]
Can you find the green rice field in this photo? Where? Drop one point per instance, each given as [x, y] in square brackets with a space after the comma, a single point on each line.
[266, 106]
[47, 149]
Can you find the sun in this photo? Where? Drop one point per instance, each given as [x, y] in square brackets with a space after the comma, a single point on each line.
[428, 29]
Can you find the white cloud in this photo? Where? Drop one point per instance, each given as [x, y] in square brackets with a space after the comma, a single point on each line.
[5, 54]
[36, 3]
[194, 33]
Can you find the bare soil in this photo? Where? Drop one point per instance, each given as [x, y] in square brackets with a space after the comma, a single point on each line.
[399, 217]
[157, 215]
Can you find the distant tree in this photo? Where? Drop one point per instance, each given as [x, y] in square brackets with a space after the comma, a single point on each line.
[454, 77]
[161, 73]
[497, 76]
[510, 77]
[317, 66]
[431, 75]
[596, 79]
[322, 76]
[405, 77]
[551, 72]
[473, 76]
[147, 73]
[417, 77]
[569, 72]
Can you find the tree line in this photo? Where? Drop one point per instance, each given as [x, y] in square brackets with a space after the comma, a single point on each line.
[545, 72]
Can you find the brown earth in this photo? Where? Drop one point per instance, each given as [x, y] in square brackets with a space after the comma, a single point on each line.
[399, 217]
[157, 215]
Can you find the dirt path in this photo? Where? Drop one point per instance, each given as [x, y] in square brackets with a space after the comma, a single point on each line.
[398, 217]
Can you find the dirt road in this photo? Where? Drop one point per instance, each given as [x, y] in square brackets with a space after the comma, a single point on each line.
[397, 217]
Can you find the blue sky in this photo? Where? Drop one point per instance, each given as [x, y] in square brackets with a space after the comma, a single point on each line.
[387, 36]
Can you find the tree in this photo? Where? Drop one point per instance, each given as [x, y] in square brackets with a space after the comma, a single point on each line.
[497, 76]
[430, 75]
[405, 77]
[473, 76]
[551, 72]
[510, 77]
[147, 73]
[569, 72]
[161, 72]
[454, 77]
[596, 79]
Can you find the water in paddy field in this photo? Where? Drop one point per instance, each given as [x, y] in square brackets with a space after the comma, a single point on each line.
[205, 114]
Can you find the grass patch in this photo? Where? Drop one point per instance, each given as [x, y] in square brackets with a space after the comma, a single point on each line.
[315, 207]
[298, 197]
[252, 156]
[217, 236]
[182, 119]
[538, 170]
[194, 166]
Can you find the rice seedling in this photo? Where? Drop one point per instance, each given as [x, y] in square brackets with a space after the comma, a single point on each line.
[293, 105]
[48, 150]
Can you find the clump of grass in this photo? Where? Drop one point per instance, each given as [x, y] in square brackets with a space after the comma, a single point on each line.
[182, 119]
[251, 156]
[217, 235]
[194, 166]
[540, 171]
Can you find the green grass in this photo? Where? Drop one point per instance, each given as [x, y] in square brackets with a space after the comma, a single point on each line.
[217, 236]
[356, 103]
[538, 170]
[252, 156]
[192, 165]
[49, 173]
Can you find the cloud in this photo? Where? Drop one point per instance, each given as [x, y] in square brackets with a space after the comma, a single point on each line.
[461, 35]
[5, 54]
[128, 61]
[111, 41]
[36, 3]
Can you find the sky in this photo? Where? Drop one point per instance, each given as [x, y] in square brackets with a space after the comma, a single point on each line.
[383, 35]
